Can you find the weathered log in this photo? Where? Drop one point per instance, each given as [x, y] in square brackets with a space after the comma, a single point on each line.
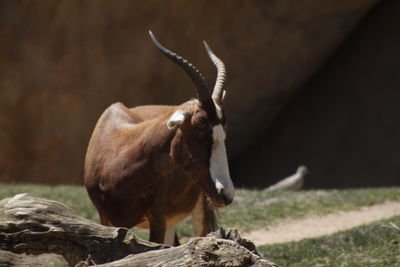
[11, 259]
[34, 225]
[199, 251]
[224, 247]
[233, 234]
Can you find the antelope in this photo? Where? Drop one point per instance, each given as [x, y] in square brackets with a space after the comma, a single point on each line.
[151, 166]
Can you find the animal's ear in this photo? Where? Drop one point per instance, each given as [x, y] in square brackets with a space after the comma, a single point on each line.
[177, 119]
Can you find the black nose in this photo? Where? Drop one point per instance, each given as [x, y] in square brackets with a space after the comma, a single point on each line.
[225, 199]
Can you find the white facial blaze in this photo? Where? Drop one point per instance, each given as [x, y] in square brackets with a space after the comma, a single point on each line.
[219, 169]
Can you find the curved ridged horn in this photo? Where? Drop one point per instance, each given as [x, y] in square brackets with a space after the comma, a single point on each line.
[218, 92]
[198, 80]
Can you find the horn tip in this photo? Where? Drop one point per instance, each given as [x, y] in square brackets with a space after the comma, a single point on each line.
[155, 41]
[208, 49]
[151, 34]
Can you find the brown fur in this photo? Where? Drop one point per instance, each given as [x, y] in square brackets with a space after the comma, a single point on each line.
[139, 172]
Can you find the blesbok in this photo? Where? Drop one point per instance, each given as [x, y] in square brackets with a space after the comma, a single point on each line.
[148, 166]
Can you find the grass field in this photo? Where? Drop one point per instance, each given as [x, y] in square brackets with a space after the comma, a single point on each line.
[373, 245]
[253, 209]
[370, 245]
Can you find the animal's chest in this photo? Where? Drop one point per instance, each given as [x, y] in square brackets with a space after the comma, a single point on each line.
[182, 202]
[178, 201]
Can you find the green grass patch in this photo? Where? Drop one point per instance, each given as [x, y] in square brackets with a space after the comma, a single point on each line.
[251, 209]
[372, 245]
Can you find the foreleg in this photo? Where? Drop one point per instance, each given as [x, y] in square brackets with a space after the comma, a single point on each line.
[203, 217]
[156, 216]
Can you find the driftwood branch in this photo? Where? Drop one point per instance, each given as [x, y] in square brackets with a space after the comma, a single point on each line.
[294, 182]
[34, 225]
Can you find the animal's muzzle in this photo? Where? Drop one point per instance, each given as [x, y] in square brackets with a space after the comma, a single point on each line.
[225, 199]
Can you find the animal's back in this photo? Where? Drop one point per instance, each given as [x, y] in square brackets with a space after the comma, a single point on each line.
[114, 119]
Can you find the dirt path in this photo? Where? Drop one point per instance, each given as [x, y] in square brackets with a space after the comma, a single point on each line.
[294, 230]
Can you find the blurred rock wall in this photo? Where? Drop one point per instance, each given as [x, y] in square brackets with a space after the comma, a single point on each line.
[344, 122]
[63, 62]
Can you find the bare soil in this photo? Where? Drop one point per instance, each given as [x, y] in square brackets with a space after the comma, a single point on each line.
[316, 226]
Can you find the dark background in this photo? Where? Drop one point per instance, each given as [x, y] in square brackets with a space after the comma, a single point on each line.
[309, 82]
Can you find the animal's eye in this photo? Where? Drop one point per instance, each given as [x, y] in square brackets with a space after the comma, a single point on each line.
[200, 121]
[202, 125]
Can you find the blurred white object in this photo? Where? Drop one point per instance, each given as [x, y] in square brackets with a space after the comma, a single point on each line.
[294, 182]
